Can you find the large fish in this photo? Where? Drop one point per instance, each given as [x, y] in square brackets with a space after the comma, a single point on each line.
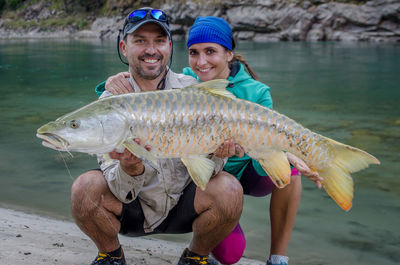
[192, 122]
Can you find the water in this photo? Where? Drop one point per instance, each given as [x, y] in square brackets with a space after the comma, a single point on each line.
[349, 92]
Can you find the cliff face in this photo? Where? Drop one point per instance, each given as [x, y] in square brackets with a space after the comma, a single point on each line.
[268, 20]
[257, 20]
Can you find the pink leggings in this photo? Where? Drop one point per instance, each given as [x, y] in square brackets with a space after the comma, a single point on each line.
[231, 249]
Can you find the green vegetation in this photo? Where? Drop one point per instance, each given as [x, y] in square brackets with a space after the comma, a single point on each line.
[63, 13]
[14, 4]
[68, 6]
[2, 4]
[78, 23]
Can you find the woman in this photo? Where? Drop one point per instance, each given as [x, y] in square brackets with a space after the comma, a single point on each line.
[210, 44]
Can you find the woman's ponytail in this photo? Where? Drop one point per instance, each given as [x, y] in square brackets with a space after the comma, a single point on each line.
[240, 58]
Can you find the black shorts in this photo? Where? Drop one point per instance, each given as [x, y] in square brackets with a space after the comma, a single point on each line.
[178, 221]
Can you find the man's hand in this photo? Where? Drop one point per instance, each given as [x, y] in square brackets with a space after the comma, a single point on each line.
[302, 167]
[129, 163]
[228, 149]
[119, 84]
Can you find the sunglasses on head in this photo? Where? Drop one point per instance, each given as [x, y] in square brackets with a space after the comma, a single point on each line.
[140, 14]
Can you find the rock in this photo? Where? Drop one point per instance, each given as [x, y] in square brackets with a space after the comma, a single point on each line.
[107, 28]
[316, 33]
[267, 37]
[257, 20]
[39, 11]
[245, 35]
[86, 34]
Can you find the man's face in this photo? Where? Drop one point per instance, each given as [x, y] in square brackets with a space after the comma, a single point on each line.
[148, 50]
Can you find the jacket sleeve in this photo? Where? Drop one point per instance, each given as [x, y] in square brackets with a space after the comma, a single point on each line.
[124, 187]
[100, 88]
[264, 96]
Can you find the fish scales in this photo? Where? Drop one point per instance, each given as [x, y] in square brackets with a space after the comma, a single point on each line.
[175, 125]
[165, 124]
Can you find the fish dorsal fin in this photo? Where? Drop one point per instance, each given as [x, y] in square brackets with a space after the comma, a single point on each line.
[217, 87]
[200, 168]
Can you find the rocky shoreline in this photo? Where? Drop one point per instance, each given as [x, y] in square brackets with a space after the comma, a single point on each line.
[255, 20]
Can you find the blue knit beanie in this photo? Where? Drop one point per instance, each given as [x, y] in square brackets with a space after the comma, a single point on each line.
[210, 29]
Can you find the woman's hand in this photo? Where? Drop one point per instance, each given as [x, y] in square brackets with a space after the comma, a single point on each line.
[119, 84]
[302, 167]
[228, 149]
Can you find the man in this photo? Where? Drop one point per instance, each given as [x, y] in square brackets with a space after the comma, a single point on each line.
[130, 197]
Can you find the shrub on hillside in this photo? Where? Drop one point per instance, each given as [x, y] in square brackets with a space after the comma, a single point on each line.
[2, 4]
[90, 5]
[14, 4]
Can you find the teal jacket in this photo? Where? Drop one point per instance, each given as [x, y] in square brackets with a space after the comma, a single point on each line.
[243, 86]
[99, 89]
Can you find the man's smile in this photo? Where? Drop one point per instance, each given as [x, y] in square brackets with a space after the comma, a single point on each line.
[151, 61]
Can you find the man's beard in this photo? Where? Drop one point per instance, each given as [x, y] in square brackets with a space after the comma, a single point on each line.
[146, 74]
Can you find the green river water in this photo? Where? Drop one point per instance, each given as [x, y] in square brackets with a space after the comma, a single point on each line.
[348, 92]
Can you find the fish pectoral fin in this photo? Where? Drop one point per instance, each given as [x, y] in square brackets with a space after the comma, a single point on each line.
[217, 87]
[277, 166]
[141, 152]
[200, 169]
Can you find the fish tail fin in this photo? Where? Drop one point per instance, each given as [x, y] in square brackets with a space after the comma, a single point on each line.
[337, 180]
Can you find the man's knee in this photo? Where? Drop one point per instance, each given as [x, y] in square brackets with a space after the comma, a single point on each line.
[227, 193]
[84, 191]
[87, 183]
[228, 184]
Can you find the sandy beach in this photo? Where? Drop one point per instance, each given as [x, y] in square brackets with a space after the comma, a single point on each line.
[27, 239]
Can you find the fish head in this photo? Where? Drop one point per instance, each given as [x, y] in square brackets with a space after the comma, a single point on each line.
[95, 129]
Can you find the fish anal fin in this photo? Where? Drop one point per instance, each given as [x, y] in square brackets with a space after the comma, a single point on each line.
[277, 166]
[200, 169]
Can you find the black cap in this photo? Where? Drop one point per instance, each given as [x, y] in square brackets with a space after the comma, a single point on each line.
[132, 26]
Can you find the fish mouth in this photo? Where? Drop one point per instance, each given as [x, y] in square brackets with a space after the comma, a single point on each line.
[53, 141]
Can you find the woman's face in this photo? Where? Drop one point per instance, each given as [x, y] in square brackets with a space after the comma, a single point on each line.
[210, 61]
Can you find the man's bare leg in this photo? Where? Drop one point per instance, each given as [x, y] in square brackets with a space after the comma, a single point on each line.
[219, 208]
[95, 210]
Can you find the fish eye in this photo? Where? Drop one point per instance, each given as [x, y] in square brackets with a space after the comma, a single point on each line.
[74, 124]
